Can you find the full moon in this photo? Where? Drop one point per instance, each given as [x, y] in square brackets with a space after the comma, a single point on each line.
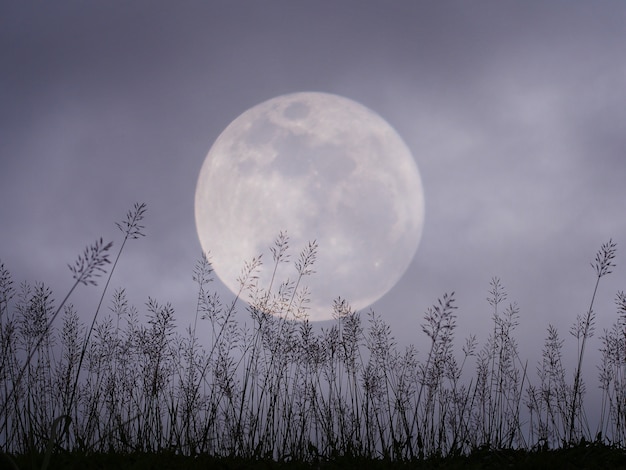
[318, 167]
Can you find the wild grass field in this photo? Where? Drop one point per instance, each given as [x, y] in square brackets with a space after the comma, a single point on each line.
[128, 389]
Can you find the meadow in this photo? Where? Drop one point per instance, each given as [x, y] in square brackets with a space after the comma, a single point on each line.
[131, 390]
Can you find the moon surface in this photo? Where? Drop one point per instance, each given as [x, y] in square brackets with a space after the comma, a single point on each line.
[318, 167]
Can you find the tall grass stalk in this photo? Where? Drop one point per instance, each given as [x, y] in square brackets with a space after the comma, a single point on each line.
[583, 330]
[132, 230]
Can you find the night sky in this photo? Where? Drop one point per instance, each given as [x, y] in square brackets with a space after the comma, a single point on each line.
[515, 113]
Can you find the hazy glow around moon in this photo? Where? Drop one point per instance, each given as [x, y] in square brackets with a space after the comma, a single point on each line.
[320, 167]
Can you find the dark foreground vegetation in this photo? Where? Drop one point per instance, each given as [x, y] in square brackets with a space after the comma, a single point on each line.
[272, 392]
[585, 456]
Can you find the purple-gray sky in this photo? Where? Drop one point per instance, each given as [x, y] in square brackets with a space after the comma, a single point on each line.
[515, 113]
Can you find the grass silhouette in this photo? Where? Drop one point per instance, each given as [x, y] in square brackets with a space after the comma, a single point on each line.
[276, 390]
